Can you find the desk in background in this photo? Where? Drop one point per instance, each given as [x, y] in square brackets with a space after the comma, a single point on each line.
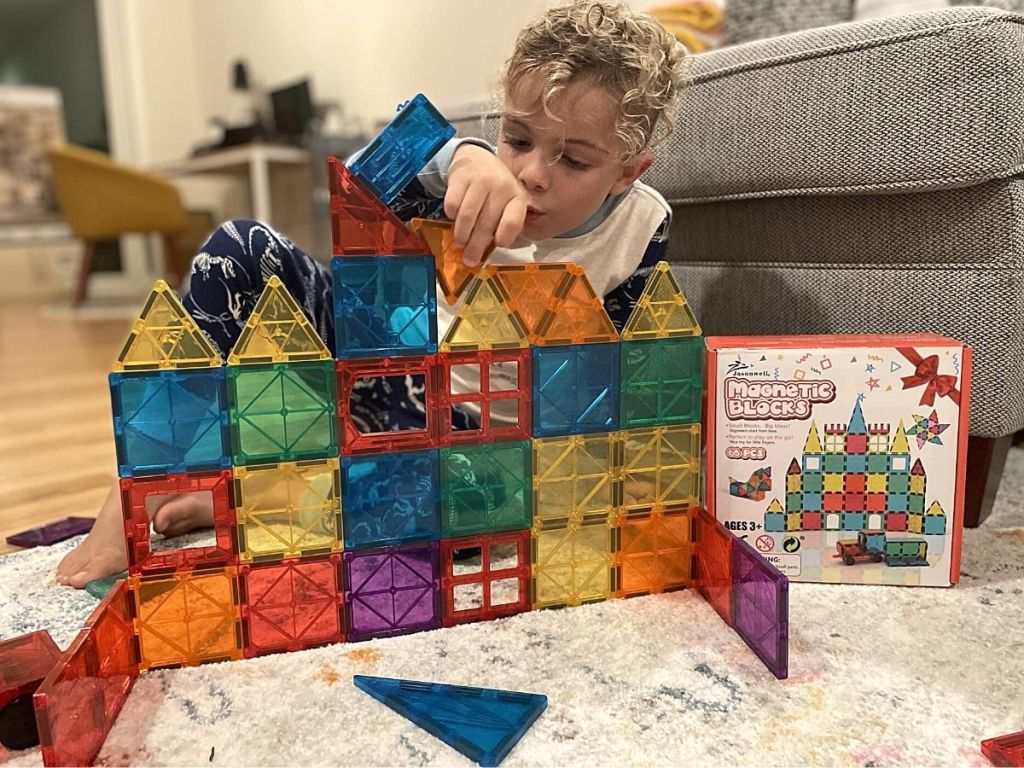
[279, 179]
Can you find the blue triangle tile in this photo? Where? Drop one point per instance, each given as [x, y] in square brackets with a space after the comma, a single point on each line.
[484, 724]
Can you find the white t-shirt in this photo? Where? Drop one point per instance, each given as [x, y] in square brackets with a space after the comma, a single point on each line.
[609, 254]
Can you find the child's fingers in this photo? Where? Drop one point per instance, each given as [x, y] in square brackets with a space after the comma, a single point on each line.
[466, 217]
[453, 197]
[511, 224]
[483, 230]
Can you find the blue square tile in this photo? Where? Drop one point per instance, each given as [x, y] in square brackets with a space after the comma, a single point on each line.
[856, 462]
[390, 498]
[169, 421]
[401, 150]
[896, 502]
[935, 525]
[384, 306]
[854, 521]
[575, 389]
[812, 502]
[774, 522]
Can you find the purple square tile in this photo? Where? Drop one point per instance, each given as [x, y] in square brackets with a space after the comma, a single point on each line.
[392, 591]
[760, 607]
[52, 533]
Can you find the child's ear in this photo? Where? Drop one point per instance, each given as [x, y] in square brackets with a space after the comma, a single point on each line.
[632, 171]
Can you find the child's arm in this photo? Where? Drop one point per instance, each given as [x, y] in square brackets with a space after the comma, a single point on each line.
[619, 302]
[469, 184]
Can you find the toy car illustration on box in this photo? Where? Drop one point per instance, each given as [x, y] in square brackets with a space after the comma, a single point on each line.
[872, 546]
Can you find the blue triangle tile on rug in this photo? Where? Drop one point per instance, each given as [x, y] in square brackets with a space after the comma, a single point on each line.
[484, 724]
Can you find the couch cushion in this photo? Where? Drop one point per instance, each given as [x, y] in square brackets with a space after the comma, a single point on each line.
[901, 104]
[946, 262]
[754, 19]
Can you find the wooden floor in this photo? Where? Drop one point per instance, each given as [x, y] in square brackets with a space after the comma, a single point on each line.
[56, 437]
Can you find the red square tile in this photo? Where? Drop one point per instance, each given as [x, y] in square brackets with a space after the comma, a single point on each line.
[494, 583]
[291, 605]
[142, 560]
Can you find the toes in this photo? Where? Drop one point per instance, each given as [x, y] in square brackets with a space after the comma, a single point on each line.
[176, 528]
[71, 564]
[169, 516]
[183, 514]
[105, 563]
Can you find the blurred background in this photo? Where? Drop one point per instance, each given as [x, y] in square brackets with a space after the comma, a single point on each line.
[235, 103]
[130, 128]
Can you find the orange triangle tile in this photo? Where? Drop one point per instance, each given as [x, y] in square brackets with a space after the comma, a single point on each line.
[579, 316]
[532, 291]
[165, 337]
[277, 331]
[452, 273]
[361, 225]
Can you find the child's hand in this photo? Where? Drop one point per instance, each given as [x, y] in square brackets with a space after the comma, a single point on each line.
[484, 200]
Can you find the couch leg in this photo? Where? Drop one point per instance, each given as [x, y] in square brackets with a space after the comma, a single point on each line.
[985, 459]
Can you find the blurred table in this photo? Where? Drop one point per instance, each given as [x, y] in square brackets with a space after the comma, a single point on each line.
[258, 160]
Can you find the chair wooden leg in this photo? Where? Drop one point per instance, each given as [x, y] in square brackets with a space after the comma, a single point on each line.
[88, 257]
[174, 266]
[985, 459]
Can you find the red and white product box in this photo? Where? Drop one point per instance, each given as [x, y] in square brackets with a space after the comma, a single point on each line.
[841, 458]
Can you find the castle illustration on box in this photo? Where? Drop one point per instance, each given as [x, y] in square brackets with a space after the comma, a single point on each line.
[860, 478]
[325, 534]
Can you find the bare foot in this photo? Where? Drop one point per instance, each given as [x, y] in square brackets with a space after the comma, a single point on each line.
[175, 515]
[102, 553]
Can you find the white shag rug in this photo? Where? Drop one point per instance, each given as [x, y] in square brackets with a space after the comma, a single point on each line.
[879, 676]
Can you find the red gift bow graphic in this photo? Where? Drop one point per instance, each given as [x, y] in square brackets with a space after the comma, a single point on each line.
[927, 373]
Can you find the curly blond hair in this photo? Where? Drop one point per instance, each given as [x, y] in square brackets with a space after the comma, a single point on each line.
[627, 53]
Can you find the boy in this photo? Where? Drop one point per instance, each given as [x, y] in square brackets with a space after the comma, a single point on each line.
[587, 92]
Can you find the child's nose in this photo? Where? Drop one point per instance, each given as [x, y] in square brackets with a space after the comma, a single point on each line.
[534, 173]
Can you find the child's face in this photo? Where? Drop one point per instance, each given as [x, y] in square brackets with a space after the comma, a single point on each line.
[568, 165]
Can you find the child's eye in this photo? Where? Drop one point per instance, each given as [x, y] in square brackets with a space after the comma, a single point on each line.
[576, 165]
[516, 144]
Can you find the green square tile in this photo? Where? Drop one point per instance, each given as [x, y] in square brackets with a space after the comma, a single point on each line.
[812, 482]
[486, 488]
[282, 412]
[794, 502]
[899, 483]
[878, 462]
[661, 382]
[835, 462]
[916, 504]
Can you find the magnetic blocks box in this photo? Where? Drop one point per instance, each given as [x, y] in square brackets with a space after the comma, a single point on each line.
[842, 458]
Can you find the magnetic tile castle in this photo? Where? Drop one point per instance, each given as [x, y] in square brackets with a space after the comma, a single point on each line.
[860, 478]
[577, 482]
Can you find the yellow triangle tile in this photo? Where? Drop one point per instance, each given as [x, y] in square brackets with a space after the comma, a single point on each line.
[165, 336]
[484, 321]
[277, 331]
[661, 311]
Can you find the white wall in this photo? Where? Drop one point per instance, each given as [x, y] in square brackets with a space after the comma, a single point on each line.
[367, 55]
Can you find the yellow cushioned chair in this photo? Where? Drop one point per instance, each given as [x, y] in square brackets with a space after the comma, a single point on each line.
[103, 200]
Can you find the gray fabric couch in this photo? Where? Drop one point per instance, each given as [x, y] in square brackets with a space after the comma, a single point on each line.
[864, 177]
[860, 178]
[756, 19]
